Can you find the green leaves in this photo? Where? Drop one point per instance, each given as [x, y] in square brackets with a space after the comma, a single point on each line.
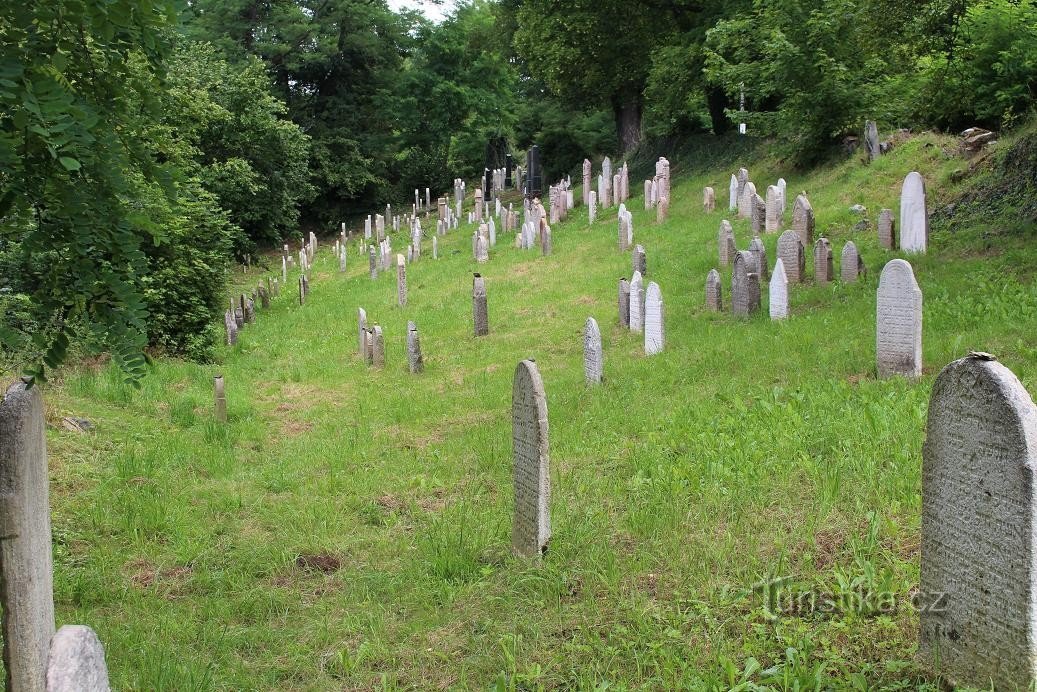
[69, 163]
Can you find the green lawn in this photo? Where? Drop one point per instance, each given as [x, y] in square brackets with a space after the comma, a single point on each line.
[350, 527]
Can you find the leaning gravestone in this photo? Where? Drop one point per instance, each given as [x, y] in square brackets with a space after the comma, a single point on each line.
[851, 265]
[779, 291]
[803, 221]
[709, 200]
[914, 218]
[531, 523]
[887, 230]
[790, 252]
[978, 604]
[639, 260]
[76, 661]
[714, 292]
[759, 254]
[871, 139]
[637, 303]
[480, 317]
[655, 334]
[773, 209]
[898, 340]
[415, 363]
[732, 194]
[726, 243]
[624, 303]
[592, 355]
[824, 268]
[745, 285]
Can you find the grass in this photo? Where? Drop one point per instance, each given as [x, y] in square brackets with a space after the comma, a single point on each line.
[349, 527]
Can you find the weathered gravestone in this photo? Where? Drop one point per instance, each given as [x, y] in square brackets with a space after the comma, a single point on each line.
[779, 291]
[773, 210]
[624, 303]
[732, 194]
[743, 179]
[709, 200]
[914, 218]
[639, 260]
[368, 347]
[898, 340]
[714, 292]
[745, 285]
[372, 263]
[593, 362]
[726, 243]
[415, 362]
[341, 261]
[977, 596]
[302, 290]
[871, 139]
[851, 265]
[637, 303]
[649, 197]
[758, 215]
[790, 252]
[545, 240]
[586, 180]
[783, 200]
[746, 200]
[220, 397]
[592, 208]
[378, 347]
[824, 267]
[887, 230]
[401, 281]
[655, 330]
[480, 317]
[435, 247]
[803, 221]
[662, 210]
[361, 327]
[230, 325]
[531, 522]
[759, 254]
[76, 661]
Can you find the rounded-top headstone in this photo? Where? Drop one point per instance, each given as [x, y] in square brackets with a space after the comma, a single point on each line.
[714, 291]
[790, 252]
[655, 328]
[898, 324]
[592, 353]
[76, 662]
[914, 216]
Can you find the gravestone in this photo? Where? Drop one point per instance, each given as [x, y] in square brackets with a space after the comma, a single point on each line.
[759, 254]
[871, 139]
[435, 247]
[779, 291]
[302, 290]
[726, 243]
[372, 263]
[239, 317]
[545, 240]
[639, 260]
[368, 347]
[803, 221]
[758, 216]
[341, 260]
[790, 252]
[898, 340]
[782, 202]
[655, 333]
[824, 268]
[887, 230]
[977, 602]
[592, 207]
[531, 522]
[662, 210]
[745, 285]
[623, 233]
[637, 303]
[914, 218]
[26, 563]
[361, 327]
[732, 194]
[401, 281]
[773, 211]
[743, 180]
[593, 362]
[377, 347]
[76, 661]
[709, 200]
[714, 292]
[746, 201]
[220, 397]
[649, 197]
[480, 317]
[851, 265]
[482, 249]
[586, 180]
[231, 327]
[415, 362]
[624, 303]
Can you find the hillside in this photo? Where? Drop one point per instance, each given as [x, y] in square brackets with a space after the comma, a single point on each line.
[349, 527]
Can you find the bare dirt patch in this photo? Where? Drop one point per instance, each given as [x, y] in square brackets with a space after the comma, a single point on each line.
[325, 563]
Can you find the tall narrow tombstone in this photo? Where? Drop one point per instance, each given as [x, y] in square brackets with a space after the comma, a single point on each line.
[26, 566]
[743, 180]
[401, 281]
[637, 302]
[914, 217]
[977, 596]
[758, 217]
[759, 253]
[803, 221]
[377, 347]
[898, 333]
[302, 290]
[531, 523]
[851, 265]
[639, 260]
[732, 194]
[779, 291]
[368, 346]
[871, 139]
[790, 252]
[593, 362]
[744, 291]
[709, 200]
[342, 260]
[725, 243]
[824, 268]
[662, 210]
[480, 318]
[239, 318]
[649, 201]
[592, 207]
[76, 661]
[361, 328]
[782, 202]
[746, 200]
[372, 263]
[415, 362]
[586, 180]
[624, 303]
[714, 292]
[220, 397]
[887, 230]
[482, 249]
[435, 247]
[231, 327]
[773, 211]
[545, 240]
[655, 328]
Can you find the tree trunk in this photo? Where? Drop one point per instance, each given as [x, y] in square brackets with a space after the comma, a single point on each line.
[717, 102]
[627, 111]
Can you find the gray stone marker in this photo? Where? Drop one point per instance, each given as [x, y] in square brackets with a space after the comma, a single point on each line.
[637, 303]
[914, 217]
[545, 240]
[732, 194]
[743, 180]
[824, 267]
[302, 290]
[531, 522]
[714, 292]
[593, 359]
[758, 215]
[774, 210]
[220, 399]
[592, 207]
[369, 347]
[480, 317]
[977, 601]
[342, 260]
[759, 253]
[887, 230]
[790, 252]
[851, 265]
[655, 328]
[415, 362]
[76, 661]
[803, 221]
[779, 291]
[361, 325]
[745, 285]
[709, 200]
[377, 347]
[401, 281]
[898, 341]
[662, 210]
[372, 262]
[639, 260]
[871, 139]
[27, 598]
[725, 243]
[624, 303]
[746, 195]
[230, 325]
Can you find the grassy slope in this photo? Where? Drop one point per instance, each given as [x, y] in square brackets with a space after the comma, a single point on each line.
[748, 449]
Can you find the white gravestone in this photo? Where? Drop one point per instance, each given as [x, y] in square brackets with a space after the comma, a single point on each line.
[637, 302]
[655, 328]
[914, 217]
[779, 292]
[898, 341]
